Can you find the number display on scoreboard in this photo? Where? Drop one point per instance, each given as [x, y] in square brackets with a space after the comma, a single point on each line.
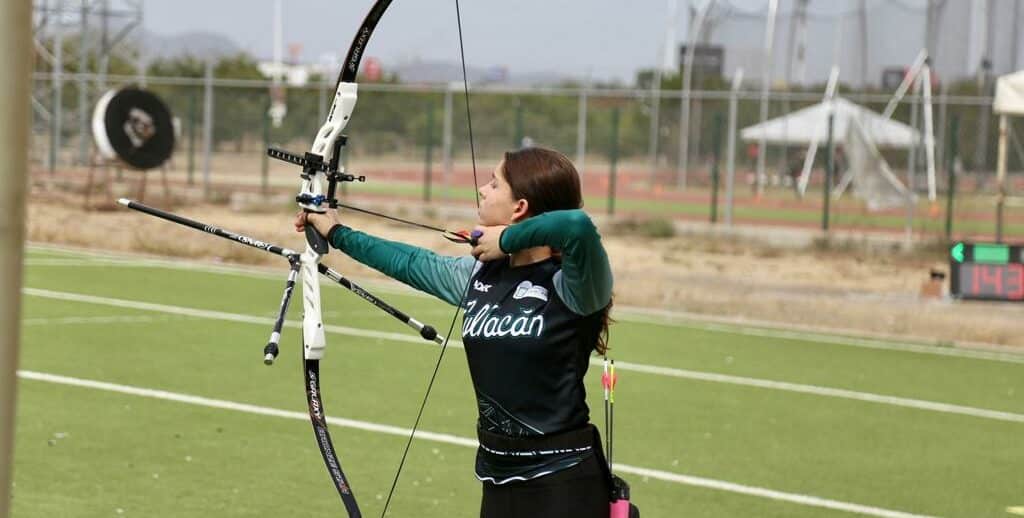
[987, 271]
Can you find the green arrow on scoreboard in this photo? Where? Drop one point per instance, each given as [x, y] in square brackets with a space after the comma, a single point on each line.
[957, 252]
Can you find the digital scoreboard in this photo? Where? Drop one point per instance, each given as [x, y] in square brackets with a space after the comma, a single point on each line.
[987, 271]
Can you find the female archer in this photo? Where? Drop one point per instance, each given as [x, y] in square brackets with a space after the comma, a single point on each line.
[536, 292]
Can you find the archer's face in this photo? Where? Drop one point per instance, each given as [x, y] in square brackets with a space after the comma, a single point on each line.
[497, 205]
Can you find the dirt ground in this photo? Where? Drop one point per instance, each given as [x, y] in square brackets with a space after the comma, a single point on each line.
[848, 289]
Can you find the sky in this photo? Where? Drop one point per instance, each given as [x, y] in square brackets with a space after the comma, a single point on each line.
[605, 38]
[601, 39]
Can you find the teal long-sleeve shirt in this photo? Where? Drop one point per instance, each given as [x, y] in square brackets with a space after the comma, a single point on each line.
[584, 281]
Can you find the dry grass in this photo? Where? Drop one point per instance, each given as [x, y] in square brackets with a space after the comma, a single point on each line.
[846, 287]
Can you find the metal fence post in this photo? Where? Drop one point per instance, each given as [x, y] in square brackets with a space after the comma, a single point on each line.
[83, 86]
[716, 149]
[58, 87]
[517, 140]
[207, 127]
[581, 129]
[951, 158]
[830, 172]
[265, 158]
[655, 130]
[613, 158]
[730, 161]
[321, 102]
[192, 137]
[429, 160]
[446, 140]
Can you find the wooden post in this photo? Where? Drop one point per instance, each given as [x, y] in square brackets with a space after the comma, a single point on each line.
[15, 38]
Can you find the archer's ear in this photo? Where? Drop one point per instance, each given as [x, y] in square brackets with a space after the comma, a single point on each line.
[521, 211]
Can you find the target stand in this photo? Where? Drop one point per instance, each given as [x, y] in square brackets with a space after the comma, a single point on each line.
[133, 129]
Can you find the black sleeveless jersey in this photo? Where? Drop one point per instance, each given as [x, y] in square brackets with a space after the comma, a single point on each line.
[528, 354]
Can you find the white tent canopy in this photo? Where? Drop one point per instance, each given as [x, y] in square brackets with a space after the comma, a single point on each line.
[1010, 94]
[811, 124]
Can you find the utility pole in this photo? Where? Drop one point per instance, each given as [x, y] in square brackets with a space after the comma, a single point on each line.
[664, 61]
[766, 80]
[696, 24]
[83, 85]
[863, 19]
[15, 94]
[985, 84]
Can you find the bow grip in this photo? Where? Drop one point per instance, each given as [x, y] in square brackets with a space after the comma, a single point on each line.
[316, 241]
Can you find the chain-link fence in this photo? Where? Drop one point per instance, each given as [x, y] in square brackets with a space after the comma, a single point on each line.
[413, 141]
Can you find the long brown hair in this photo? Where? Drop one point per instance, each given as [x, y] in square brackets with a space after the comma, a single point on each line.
[548, 180]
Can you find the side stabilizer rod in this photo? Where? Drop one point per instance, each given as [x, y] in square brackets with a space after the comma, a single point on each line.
[426, 331]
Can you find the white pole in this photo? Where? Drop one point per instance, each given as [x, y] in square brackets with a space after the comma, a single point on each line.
[1001, 177]
[15, 95]
[908, 227]
[915, 69]
[862, 18]
[766, 81]
[278, 43]
[684, 101]
[730, 161]
[929, 130]
[665, 57]
[915, 110]
[277, 109]
[812, 148]
[142, 64]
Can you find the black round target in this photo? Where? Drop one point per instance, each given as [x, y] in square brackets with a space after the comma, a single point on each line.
[135, 127]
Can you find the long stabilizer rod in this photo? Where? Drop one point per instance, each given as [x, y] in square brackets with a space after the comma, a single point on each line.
[426, 331]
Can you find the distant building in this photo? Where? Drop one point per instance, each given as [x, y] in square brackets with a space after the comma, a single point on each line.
[707, 59]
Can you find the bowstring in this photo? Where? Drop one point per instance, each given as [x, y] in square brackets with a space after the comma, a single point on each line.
[469, 116]
[465, 291]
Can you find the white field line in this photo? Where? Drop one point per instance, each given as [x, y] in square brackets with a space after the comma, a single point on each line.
[112, 319]
[214, 315]
[445, 438]
[692, 322]
[644, 315]
[52, 261]
[255, 272]
[628, 366]
[816, 390]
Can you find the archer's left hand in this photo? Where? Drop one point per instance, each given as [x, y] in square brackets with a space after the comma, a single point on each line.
[487, 245]
[322, 222]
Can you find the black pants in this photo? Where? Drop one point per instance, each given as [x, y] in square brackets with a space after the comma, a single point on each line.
[578, 492]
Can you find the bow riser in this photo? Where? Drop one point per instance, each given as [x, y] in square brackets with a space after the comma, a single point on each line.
[327, 145]
[314, 343]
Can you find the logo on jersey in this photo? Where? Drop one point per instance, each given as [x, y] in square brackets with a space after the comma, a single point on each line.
[479, 286]
[526, 289]
[487, 323]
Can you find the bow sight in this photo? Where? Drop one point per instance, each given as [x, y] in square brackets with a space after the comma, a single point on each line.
[314, 163]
